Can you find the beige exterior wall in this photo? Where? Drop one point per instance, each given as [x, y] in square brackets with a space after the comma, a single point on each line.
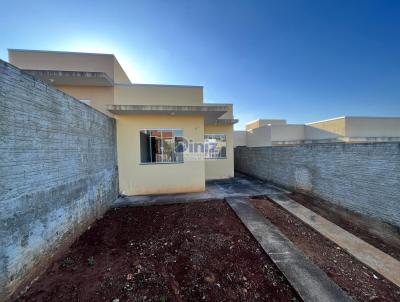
[53, 60]
[264, 122]
[313, 133]
[259, 137]
[220, 168]
[239, 138]
[334, 127]
[269, 135]
[354, 127]
[100, 97]
[286, 133]
[342, 129]
[69, 61]
[119, 74]
[141, 94]
[136, 178]
[359, 127]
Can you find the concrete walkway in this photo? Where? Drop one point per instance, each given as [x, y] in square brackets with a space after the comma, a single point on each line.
[379, 261]
[240, 185]
[310, 282]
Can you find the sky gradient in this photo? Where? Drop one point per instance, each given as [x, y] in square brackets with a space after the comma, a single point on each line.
[299, 60]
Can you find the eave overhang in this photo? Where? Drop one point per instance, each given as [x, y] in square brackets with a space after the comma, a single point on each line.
[210, 113]
[72, 78]
[225, 121]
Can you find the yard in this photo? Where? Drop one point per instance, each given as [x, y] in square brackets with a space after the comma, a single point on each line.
[198, 251]
[359, 281]
[181, 252]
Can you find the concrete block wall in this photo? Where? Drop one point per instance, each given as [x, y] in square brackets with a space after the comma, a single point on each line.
[58, 173]
[364, 178]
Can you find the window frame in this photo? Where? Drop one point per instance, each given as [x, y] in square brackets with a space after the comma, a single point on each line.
[226, 146]
[173, 137]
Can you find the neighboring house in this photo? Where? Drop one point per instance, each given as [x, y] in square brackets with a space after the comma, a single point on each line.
[168, 139]
[347, 129]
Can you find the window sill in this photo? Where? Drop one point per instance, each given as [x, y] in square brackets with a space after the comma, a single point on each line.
[161, 163]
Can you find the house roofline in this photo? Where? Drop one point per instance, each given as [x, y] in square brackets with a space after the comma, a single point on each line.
[327, 120]
[354, 117]
[265, 119]
[158, 85]
[60, 52]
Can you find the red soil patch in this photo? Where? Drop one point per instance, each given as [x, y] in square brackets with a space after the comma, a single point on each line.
[359, 281]
[185, 252]
[351, 222]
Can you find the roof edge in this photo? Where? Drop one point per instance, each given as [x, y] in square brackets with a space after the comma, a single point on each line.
[266, 119]
[158, 85]
[60, 52]
[327, 120]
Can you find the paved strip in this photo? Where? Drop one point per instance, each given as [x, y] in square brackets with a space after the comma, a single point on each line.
[379, 261]
[310, 282]
[240, 186]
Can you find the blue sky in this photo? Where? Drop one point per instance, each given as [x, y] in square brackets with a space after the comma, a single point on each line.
[300, 60]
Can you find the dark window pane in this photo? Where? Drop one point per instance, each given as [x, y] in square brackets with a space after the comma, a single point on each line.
[156, 149]
[161, 146]
[144, 147]
[216, 145]
[168, 150]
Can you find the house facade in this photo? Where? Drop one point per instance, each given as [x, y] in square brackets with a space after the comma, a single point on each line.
[168, 139]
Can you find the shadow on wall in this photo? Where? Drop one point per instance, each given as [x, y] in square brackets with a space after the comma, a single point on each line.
[58, 174]
[362, 177]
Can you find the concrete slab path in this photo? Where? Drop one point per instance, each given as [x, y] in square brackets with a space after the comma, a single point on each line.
[240, 185]
[310, 282]
[379, 261]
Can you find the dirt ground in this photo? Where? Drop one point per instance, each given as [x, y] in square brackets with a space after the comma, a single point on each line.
[185, 252]
[351, 225]
[359, 281]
